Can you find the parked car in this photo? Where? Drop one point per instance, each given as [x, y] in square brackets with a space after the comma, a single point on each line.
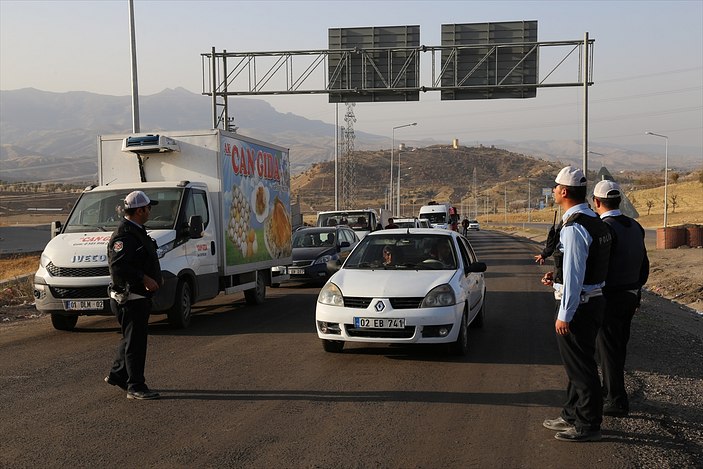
[407, 222]
[473, 225]
[404, 287]
[314, 248]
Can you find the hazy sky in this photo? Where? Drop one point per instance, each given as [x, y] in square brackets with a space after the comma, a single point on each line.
[648, 60]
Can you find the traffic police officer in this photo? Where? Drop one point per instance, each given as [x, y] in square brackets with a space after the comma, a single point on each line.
[627, 273]
[135, 276]
[581, 264]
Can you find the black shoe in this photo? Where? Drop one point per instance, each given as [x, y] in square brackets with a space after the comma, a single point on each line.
[557, 424]
[575, 435]
[613, 411]
[113, 382]
[145, 395]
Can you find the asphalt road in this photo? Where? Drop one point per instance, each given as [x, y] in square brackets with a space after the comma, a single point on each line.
[20, 239]
[251, 387]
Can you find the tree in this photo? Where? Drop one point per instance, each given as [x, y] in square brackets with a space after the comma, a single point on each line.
[674, 203]
[649, 204]
[674, 177]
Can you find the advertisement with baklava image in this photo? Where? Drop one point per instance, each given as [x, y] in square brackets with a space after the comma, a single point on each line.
[256, 203]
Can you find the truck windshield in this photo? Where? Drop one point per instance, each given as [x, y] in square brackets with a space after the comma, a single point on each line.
[435, 217]
[102, 211]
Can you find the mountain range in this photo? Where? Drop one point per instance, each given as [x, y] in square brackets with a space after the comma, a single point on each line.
[46, 136]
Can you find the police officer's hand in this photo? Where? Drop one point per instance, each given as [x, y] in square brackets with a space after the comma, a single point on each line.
[150, 284]
[562, 327]
[539, 259]
[548, 279]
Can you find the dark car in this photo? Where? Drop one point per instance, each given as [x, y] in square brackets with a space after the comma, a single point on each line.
[314, 247]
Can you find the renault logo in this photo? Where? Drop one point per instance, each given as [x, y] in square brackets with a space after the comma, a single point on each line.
[379, 306]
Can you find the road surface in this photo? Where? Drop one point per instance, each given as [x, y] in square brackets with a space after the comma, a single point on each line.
[251, 387]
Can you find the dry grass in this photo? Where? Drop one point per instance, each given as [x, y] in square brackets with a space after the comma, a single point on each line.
[17, 265]
[17, 288]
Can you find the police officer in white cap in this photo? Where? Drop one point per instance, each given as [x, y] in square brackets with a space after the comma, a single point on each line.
[135, 276]
[627, 273]
[581, 264]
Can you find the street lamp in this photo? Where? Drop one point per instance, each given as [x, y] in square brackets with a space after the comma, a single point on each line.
[666, 170]
[392, 150]
[406, 174]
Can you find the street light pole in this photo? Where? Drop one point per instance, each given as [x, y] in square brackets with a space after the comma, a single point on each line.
[666, 172]
[529, 206]
[392, 150]
[505, 207]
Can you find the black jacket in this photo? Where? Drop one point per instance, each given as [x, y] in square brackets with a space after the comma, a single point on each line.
[131, 254]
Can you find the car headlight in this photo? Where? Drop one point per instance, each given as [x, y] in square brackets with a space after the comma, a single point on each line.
[323, 259]
[330, 295]
[44, 260]
[442, 295]
[162, 250]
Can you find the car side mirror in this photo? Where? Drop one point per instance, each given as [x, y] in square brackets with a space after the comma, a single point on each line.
[476, 267]
[55, 228]
[195, 227]
[343, 244]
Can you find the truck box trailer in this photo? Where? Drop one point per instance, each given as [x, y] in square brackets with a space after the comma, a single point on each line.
[223, 220]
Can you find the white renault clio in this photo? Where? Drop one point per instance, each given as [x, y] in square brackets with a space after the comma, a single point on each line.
[404, 286]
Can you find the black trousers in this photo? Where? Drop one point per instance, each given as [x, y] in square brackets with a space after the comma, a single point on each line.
[612, 342]
[128, 367]
[584, 401]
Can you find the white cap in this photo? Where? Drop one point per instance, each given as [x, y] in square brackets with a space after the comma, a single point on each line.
[607, 190]
[570, 176]
[138, 199]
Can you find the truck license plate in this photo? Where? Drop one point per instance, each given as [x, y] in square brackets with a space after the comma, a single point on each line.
[83, 305]
[294, 271]
[379, 323]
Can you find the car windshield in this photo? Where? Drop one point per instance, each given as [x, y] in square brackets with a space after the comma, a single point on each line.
[313, 239]
[358, 221]
[406, 251]
[103, 210]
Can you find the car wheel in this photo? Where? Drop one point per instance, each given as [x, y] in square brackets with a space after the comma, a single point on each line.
[480, 317]
[63, 322]
[332, 346]
[180, 313]
[461, 346]
[256, 295]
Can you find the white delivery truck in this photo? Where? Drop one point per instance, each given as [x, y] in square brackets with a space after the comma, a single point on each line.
[222, 221]
[439, 215]
[362, 221]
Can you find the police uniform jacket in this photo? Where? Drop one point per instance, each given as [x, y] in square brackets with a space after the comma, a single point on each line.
[629, 264]
[581, 258]
[132, 254]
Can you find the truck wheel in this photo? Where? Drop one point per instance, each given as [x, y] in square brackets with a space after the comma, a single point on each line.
[179, 315]
[256, 295]
[332, 346]
[63, 322]
[461, 346]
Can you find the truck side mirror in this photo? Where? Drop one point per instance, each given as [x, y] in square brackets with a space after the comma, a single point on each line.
[195, 227]
[55, 228]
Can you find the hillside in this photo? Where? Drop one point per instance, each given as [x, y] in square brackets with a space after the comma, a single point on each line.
[432, 173]
[445, 174]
